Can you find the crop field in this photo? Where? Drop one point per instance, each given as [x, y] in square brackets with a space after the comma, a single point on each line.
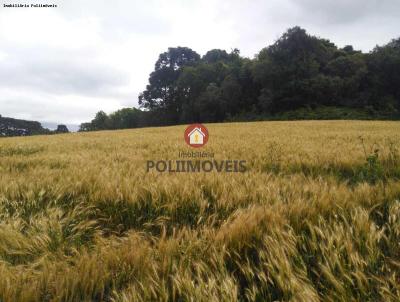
[316, 216]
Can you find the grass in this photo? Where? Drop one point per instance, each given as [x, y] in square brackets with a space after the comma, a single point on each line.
[315, 218]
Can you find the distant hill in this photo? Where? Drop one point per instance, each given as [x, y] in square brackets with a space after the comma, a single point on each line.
[14, 127]
[53, 126]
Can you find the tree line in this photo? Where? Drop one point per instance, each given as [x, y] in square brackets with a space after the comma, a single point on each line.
[16, 127]
[298, 73]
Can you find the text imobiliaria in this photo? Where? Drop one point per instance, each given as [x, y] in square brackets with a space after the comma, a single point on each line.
[200, 161]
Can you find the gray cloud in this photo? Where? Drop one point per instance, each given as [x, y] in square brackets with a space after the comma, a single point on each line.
[43, 108]
[121, 16]
[53, 73]
[340, 12]
[65, 64]
[362, 23]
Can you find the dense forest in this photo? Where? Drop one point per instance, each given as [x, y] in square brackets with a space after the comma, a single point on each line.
[300, 76]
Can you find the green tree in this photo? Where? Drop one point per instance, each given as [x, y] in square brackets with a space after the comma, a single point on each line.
[285, 67]
[162, 92]
[209, 105]
[384, 77]
[62, 129]
[193, 82]
[215, 55]
[100, 121]
[231, 95]
[125, 118]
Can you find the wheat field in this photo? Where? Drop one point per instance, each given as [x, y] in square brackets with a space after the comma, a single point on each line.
[316, 216]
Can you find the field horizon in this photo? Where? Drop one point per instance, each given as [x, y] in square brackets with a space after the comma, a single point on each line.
[315, 216]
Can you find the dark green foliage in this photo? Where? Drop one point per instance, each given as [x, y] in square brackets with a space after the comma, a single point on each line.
[372, 171]
[162, 91]
[122, 119]
[62, 129]
[15, 127]
[290, 79]
[384, 77]
[317, 113]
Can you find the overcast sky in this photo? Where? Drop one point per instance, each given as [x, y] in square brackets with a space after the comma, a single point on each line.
[64, 64]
